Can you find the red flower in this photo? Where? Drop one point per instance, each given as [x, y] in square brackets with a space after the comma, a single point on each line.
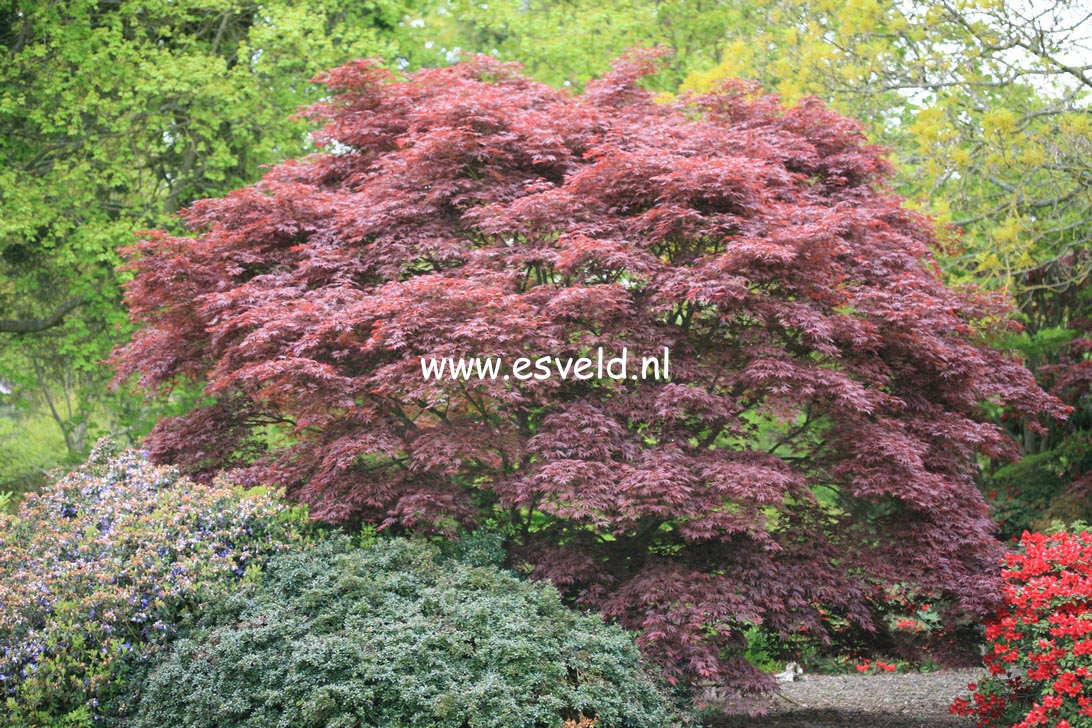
[1043, 630]
[1068, 684]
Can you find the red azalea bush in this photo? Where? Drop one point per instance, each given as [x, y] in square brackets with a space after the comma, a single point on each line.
[816, 442]
[1040, 642]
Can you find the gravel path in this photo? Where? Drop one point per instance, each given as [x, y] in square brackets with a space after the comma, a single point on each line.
[912, 700]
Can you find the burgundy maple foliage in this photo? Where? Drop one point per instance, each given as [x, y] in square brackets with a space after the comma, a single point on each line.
[817, 438]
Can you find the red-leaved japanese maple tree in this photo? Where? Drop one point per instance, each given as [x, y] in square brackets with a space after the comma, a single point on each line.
[818, 436]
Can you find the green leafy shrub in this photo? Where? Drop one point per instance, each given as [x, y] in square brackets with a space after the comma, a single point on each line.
[393, 635]
[1030, 494]
[103, 568]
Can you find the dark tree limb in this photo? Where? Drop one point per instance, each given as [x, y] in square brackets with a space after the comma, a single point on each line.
[30, 326]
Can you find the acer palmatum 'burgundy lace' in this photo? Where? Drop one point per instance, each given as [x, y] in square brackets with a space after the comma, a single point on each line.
[817, 439]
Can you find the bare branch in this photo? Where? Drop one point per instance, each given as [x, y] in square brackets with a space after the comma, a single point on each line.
[30, 326]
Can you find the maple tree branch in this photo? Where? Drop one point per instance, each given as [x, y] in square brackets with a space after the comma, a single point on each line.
[794, 432]
[30, 326]
[530, 515]
[486, 419]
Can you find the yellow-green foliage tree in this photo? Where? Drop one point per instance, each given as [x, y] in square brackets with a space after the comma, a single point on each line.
[983, 102]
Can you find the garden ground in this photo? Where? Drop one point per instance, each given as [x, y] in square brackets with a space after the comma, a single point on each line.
[912, 700]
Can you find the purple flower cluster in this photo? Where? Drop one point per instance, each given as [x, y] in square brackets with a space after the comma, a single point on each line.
[101, 568]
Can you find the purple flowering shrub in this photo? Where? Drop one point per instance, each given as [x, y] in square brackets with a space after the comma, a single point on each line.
[100, 570]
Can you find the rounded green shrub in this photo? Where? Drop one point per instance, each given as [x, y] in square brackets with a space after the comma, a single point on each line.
[396, 635]
[104, 567]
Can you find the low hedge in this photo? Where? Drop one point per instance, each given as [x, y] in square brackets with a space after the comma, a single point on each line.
[396, 635]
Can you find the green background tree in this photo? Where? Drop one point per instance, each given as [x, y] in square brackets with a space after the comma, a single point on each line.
[113, 115]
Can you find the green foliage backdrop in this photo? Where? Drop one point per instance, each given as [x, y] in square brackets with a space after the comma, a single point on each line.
[113, 115]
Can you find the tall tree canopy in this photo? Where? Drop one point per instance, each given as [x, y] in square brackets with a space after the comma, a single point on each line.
[568, 42]
[113, 115]
[817, 439]
[985, 103]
